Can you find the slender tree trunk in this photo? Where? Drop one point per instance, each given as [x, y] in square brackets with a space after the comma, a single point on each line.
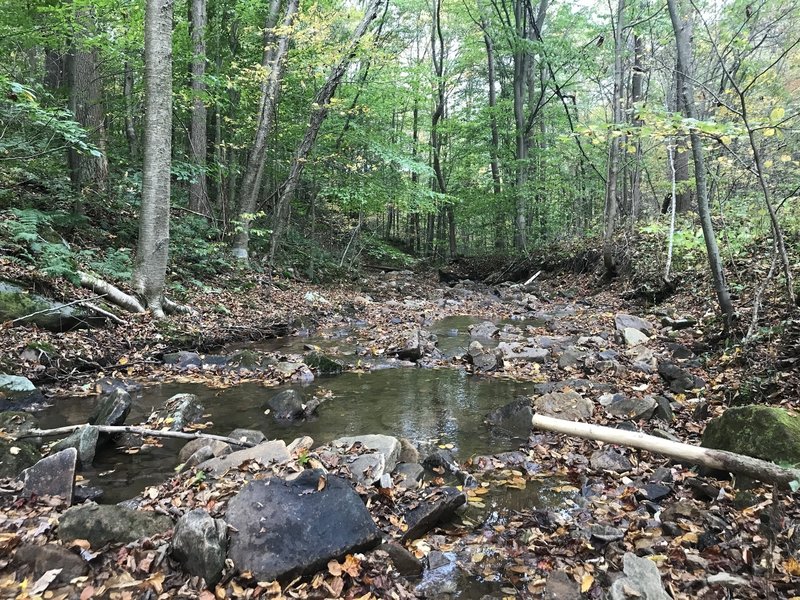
[520, 61]
[497, 188]
[54, 71]
[153, 248]
[130, 127]
[273, 60]
[88, 172]
[684, 191]
[198, 190]
[687, 91]
[611, 202]
[637, 93]
[416, 240]
[319, 112]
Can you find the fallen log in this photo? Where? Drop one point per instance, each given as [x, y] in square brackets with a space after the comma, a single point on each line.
[111, 292]
[137, 430]
[720, 460]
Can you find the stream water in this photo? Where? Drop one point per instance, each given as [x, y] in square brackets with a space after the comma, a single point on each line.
[430, 407]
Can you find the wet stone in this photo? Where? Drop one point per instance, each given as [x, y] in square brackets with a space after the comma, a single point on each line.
[610, 460]
[112, 409]
[654, 491]
[406, 563]
[199, 544]
[408, 475]
[216, 448]
[436, 507]
[101, 524]
[52, 476]
[84, 440]
[514, 418]
[568, 405]
[560, 586]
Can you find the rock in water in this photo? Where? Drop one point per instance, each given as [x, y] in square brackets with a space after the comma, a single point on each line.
[113, 409]
[483, 359]
[642, 581]
[199, 545]
[514, 418]
[265, 453]
[102, 524]
[280, 529]
[386, 445]
[288, 405]
[17, 393]
[52, 476]
[16, 456]
[180, 411]
[84, 440]
[764, 432]
[323, 364]
[433, 509]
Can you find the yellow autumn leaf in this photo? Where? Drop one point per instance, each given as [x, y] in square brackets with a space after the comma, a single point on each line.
[586, 583]
[123, 361]
[792, 566]
[768, 164]
[726, 139]
[769, 132]
[478, 557]
[785, 158]
[777, 114]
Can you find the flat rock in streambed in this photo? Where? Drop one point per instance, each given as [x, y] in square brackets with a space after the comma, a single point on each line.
[680, 380]
[324, 365]
[294, 371]
[199, 544]
[107, 385]
[513, 418]
[568, 405]
[280, 529]
[84, 440]
[483, 359]
[252, 436]
[620, 405]
[183, 360]
[112, 409]
[439, 505]
[54, 475]
[368, 468]
[406, 563]
[264, 453]
[623, 321]
[610, 460]
[40, 559]
[642, 581]
[216, 448]
[765, 432]
[485, 330]
[634, 337]
[102, 524]
[18, 393]
[522, 353]
[561, 586]
[408, 475]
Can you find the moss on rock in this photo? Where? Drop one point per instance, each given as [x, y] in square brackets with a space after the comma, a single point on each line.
[764, 432]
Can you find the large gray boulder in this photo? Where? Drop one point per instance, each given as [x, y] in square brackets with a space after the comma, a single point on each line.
[368, 468]
[281, 529]
[216, 448]
[642, 580]
[386, 445]
[439, 505]
[522, 353]
[620, 405]
[54, 475]
[102, 524]
[199, 544]
[485, 330]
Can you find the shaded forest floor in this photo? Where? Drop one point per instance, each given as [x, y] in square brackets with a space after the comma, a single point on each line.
[699, 527]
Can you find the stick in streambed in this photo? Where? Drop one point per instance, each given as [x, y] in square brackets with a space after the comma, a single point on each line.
[721, 460]
[137, 430]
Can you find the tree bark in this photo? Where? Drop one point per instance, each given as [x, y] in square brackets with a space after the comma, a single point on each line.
[683, 203]
[273, 60]
[198, 189]
[89, 173]
[611, 201]
[152, 253]
[687, 92]
[720, 460]
[520, 63]
[130, 127]
[494, 164]
[116, 429]
[319, 112]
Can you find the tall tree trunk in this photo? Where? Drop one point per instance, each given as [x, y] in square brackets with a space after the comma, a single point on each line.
[497, 189]
[198, 190]
[130, 126]
[416, 242]
[682, 44]
[273, 61]
[611, 203]
[88, 172]
[520, 62]
[437, 58]
[319, 112]
[53, 69]
[637, 93]
[153, 248]
[683, 199]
